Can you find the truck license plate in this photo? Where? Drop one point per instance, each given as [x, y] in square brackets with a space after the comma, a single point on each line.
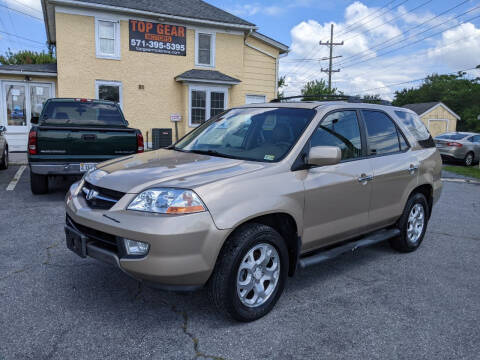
[84, 167]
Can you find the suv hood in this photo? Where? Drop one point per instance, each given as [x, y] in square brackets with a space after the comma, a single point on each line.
[167, 168]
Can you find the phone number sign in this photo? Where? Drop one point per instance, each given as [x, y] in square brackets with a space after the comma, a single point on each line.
[145, 36]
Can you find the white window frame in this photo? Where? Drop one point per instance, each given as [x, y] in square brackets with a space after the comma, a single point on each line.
[212, 48]
[99, 83]
[98, 53]
[447, 121]
[256, 95]
[208, 90]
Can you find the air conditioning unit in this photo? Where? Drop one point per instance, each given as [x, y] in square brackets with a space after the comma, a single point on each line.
[161, 138]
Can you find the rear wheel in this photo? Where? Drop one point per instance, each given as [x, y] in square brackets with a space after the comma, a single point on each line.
[468, 161]
[412, 224]
[38, 183]
[250, 273]
[4, 159]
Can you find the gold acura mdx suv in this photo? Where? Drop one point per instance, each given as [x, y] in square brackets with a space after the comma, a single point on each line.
[255, 193]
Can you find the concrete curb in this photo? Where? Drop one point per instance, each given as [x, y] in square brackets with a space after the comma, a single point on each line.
[465, 181]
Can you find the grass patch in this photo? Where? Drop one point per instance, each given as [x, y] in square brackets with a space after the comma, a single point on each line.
[472, 171]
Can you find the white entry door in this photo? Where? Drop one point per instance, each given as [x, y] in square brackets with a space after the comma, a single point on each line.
[22, 102]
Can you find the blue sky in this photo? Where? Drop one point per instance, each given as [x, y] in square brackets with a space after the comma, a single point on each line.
[386, 41]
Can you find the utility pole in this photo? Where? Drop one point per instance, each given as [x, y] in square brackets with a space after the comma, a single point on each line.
[330, 44]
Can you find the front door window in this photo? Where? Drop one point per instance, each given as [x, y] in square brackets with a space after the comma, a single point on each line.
[16, 105]
[38, 95]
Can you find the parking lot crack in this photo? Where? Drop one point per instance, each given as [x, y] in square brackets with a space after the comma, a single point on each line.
[454, 236]
[25, 268]
[49, 255]
[195, 340]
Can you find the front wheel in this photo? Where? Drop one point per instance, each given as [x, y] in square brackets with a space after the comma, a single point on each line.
[250, 273]
[412, 224]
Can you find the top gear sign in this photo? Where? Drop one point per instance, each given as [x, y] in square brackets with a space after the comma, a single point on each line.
[157, 38]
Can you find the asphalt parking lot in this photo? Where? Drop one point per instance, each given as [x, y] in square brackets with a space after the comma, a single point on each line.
[370, 304]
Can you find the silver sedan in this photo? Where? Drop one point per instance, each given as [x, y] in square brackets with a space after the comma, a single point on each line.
[459, 146]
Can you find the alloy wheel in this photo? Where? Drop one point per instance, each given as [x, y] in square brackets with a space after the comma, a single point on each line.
[258, 275]
[416, 223]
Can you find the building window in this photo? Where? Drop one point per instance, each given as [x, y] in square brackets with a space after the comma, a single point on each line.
[109, 90]
[205, 49]
[107, 39]
[206, 102]
[255, 99]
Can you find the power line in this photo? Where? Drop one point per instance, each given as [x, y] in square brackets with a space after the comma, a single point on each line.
[345, 63]
[407, 31]
[330, 45]
[21, 12]
[413, 43]
[27, 6]
[21, 37]
[411, 81]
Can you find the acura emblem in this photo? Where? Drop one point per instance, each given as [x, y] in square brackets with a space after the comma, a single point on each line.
[91, 194]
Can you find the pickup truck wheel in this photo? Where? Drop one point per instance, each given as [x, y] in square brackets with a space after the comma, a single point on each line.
[4, 160]
[250, 273]
[38, 183]
[412, 224]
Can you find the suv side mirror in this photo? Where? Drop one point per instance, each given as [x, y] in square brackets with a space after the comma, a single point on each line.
[3, 129]
[324, 155]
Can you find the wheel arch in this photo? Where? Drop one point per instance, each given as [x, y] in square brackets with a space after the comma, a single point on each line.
[427, 190]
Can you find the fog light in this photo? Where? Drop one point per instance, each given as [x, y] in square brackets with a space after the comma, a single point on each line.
[136, 247]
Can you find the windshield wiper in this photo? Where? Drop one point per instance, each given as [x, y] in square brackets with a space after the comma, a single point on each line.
[212, 153]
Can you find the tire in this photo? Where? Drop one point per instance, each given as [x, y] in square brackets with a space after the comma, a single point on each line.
[469, 158]
[4, 159]
[38, 183]
[225, 285]
[409, 241]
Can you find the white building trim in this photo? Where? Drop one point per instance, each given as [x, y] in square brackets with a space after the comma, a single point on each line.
[98, 83]
[208, 89]
[446, 120]
[445, 107]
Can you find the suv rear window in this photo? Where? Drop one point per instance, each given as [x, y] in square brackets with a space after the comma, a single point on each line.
[81, 113]
[416, 128]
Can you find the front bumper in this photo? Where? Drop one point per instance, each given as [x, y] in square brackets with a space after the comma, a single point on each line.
[183, 248]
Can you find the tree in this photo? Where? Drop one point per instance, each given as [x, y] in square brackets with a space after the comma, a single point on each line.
[27, 57]
[459, 93]
[314, 89]
[280, 85]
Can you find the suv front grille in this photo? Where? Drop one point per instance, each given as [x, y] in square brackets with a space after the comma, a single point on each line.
[100, 198]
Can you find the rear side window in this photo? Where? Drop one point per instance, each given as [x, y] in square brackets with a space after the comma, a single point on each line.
[382, 134]
[340, 129]
[416, 128]
[451, 136]
[81, 113]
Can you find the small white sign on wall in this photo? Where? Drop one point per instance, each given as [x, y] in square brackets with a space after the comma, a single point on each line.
[15, 92]
[39, 90]
[175, 117]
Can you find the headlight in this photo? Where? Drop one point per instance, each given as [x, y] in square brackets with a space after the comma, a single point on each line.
[167, 201]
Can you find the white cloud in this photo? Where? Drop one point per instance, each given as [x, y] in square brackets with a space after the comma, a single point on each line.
[433, 55]
[256, 8]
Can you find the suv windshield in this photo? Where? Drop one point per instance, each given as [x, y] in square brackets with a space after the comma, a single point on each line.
[258, 134]
[82, 113]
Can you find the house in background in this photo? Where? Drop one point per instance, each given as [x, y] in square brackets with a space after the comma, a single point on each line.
[436, 116]
[162, 61]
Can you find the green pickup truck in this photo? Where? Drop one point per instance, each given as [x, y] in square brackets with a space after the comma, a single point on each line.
[72, 135]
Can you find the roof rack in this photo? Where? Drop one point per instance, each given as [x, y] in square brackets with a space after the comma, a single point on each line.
[324, 97]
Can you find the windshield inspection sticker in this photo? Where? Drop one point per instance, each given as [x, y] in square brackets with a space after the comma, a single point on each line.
[269, 157]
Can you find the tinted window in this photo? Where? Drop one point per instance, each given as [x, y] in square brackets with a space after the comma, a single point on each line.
[451, 136]
[476, 138]
[81, 113]
[340, 129]
[416, 128]
[382, 133]
[258, 134]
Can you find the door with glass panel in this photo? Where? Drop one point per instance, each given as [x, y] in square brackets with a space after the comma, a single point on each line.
[39, 93]
[15, 97]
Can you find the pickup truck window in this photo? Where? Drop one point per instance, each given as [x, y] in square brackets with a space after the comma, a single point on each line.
[82, 113]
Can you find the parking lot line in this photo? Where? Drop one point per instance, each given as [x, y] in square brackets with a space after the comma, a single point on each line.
[16, 178]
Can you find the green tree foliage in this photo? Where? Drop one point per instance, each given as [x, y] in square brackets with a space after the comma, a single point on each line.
[458, 92]
[281, 85]
[27, 57]
[318, 87]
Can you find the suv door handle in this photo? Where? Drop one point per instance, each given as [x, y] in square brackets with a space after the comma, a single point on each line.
[365, 178]
[412, 169]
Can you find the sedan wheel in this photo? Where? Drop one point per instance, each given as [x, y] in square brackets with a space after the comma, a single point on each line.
[469, 159]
